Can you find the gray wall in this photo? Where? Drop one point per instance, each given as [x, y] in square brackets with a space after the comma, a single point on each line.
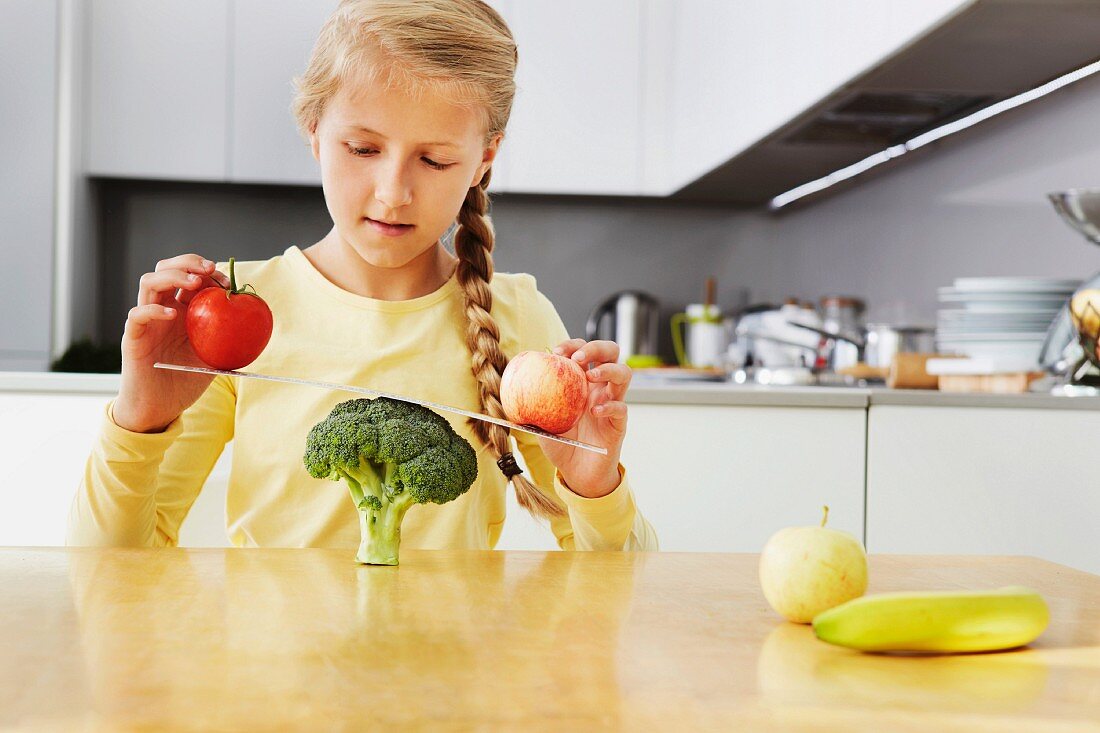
[579, 249]
[973, 206]
[141, 222]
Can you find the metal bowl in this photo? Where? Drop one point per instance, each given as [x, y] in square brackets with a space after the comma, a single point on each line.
[1080, 207]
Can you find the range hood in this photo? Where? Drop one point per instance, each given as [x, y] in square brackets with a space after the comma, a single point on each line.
[988, 51]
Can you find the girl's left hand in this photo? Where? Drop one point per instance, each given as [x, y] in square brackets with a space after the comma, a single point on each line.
[603, 422]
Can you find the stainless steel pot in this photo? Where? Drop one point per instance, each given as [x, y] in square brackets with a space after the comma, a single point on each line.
[629, 319]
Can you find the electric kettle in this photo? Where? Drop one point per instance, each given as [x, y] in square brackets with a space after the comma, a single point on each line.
[630, 319]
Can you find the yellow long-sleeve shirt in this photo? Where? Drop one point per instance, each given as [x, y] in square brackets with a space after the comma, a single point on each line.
[137, 488]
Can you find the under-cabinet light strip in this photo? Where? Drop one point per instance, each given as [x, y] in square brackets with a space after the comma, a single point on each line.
[923, 139]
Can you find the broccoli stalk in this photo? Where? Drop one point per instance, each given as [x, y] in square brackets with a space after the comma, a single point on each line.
[381, 508]
[391, 455]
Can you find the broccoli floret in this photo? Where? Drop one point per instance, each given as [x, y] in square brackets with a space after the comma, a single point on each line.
[392, 455]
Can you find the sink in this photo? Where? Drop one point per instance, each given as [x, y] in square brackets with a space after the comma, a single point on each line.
[793, 377]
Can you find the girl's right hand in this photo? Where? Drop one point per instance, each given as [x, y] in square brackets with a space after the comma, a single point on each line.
[149, 399]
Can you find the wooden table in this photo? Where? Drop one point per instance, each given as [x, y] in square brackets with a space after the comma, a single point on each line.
[255, 640]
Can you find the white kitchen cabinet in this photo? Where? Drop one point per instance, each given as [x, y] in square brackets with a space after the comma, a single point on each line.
[576, 125]
[45, 440]
[575, 120]
[619, 97]
[742, 69]
[997, 481]
[158, 88]
[271, 45]
[28, 140]
[724, 478]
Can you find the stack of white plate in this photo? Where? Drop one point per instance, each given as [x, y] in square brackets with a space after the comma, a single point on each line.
[1003, 319]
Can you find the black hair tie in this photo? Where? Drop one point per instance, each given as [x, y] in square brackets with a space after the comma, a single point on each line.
[508, 466]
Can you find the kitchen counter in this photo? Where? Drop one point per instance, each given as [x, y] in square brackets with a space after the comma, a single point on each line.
[127, 639]
[729, 393]
[650, 391]
[935, 398]
[63, 382]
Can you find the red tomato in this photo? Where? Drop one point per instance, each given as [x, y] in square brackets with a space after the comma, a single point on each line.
[228, 328]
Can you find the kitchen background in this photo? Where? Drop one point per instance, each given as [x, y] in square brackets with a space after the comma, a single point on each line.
[645, 145]
[138, 98]
[976, 207]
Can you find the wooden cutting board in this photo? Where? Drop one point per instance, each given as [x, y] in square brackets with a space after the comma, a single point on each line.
[1007, 383]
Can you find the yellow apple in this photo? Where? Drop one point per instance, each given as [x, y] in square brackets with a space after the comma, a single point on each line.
[807, 570]
[1085, 309]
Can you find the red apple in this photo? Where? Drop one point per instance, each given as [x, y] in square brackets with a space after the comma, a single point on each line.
[544, 390]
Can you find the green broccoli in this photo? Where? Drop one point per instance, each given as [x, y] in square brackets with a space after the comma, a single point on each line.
[392, 455]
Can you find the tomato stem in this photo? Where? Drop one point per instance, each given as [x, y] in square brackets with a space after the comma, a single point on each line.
[233, 289]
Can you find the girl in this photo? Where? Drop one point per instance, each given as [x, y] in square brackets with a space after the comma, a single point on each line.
[404, 105]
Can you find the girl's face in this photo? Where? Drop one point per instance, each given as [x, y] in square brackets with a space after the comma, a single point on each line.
[395, 168]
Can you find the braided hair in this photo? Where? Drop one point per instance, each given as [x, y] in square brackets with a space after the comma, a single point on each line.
[474, 246]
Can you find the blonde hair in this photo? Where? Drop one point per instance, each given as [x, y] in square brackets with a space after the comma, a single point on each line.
[464, 50]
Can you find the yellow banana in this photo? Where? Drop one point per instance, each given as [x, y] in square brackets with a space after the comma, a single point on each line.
[940, 621]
